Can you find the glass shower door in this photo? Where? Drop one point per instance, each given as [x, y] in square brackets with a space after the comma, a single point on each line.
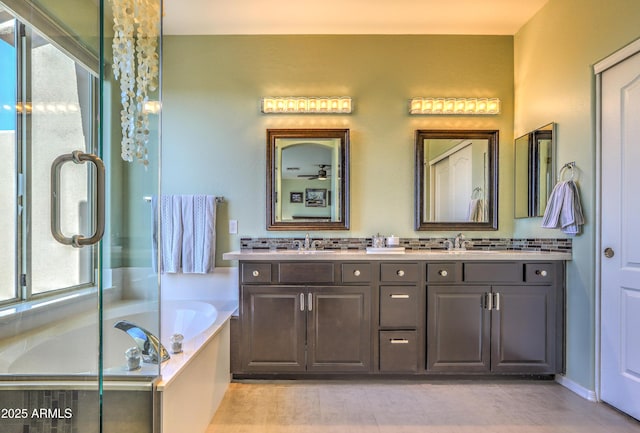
[50, 304]
[62, 363]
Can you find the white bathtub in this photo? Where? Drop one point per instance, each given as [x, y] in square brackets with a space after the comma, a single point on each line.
[71, 347]
[200, 374]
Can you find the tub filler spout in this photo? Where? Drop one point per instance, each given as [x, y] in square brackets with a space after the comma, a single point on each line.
[152, 350]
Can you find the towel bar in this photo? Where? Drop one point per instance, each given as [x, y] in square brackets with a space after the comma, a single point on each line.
[147, 198]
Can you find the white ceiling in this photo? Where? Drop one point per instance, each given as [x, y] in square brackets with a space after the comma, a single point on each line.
[220, 17]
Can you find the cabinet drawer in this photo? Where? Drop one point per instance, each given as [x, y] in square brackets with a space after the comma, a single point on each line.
[398, 351]
[398, 272]
[306, 272]
[538, 272]
[399, 306]
[442, 272]
[256, 272]
[356, 272]
[493, 272]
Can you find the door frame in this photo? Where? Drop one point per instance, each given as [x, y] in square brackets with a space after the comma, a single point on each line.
[598, 68]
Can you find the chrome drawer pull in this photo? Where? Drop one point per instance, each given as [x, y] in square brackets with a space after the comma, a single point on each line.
[356, 272]
[301, 301]
[399, 296]
[400, 273]
[398, 341]
[255, 273]
[443, 273]
[542, 273]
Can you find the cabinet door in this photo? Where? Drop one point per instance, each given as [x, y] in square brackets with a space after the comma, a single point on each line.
[458, 329]
[273, 329]
[523, 330]
[339, 334]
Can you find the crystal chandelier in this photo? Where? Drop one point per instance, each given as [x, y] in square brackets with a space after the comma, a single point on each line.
[136, 26]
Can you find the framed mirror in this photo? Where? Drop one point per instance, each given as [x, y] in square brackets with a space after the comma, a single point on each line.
[534, 171]
[307, 179]
[456, 180]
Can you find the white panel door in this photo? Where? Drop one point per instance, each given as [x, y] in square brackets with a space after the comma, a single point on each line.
[620, 258]
[440, 196]
[452, 178]
[460, 172]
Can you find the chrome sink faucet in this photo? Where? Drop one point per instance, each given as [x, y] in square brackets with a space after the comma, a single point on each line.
[459, 243]
[150, 347]
[307, 245]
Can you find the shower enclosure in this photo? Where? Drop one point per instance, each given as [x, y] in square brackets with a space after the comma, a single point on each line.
[76, 230]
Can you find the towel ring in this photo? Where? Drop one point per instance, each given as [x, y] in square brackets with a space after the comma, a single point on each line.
[568, 166]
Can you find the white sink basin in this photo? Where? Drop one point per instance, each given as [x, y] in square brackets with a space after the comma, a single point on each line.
[303, 252]
[475, 252]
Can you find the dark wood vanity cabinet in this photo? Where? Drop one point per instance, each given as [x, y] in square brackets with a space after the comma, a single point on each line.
[314, 323]
[408, 318]
[496, 318]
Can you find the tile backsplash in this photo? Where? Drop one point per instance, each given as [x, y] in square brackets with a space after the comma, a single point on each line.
[343, 243]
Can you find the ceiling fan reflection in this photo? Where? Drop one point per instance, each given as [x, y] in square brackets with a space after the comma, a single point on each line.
[321, 175]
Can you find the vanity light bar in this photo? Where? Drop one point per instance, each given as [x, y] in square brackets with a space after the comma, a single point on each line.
[306, 105]
[454, 106]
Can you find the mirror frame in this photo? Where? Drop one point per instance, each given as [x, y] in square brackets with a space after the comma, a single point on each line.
[272, 136]
[492, 196]
[533, 201]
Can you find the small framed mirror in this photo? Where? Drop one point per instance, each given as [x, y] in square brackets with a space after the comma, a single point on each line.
[456, 180]
[534, 171]
[307, 179]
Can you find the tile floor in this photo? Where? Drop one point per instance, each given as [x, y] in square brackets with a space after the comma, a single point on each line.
[410, 407]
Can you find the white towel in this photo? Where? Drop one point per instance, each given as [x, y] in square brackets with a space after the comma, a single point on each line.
[476, 210]
[198, 239]
[564, 209]
[170, 231]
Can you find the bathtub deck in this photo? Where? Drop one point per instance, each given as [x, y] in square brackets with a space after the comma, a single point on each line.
[180, 361]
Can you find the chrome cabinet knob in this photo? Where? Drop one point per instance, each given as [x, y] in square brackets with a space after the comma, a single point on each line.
[400, 273]
[443, 273]
[542, 272]
[356, 272]
[255, 273]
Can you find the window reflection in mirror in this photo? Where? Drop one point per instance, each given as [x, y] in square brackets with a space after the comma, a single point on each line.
[456, 180]
[307, 179]
[534, 171]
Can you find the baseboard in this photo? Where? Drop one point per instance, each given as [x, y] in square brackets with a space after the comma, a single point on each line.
[577, 388]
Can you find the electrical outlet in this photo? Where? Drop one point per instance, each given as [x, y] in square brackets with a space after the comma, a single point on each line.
[233, 227]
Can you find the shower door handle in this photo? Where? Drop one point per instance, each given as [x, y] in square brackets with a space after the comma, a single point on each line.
[78, 157]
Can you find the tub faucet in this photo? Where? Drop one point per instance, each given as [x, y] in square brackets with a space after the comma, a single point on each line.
[152, 350]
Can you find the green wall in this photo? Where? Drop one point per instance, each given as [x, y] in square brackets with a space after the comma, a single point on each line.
[554, 82]
[214, 136]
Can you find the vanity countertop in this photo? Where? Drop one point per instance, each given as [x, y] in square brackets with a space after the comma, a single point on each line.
[361, 255]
